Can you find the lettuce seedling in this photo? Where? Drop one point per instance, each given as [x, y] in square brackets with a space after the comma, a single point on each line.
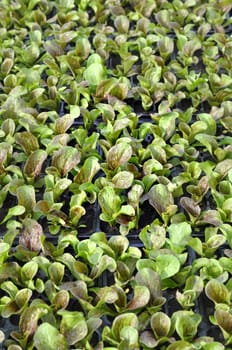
[160, 330]
[124, 332]
[186, 323]
[48, 337]
[223, 319]
[217, 292]
[194, 285]
[33, 165]
[162, 200]
[65, 160]
[113, 209]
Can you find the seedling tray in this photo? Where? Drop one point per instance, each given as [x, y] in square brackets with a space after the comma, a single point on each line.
[115, 175]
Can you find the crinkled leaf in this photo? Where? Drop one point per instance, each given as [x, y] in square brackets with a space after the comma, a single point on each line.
[88, 250]
[48, 337]
[186, 299]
